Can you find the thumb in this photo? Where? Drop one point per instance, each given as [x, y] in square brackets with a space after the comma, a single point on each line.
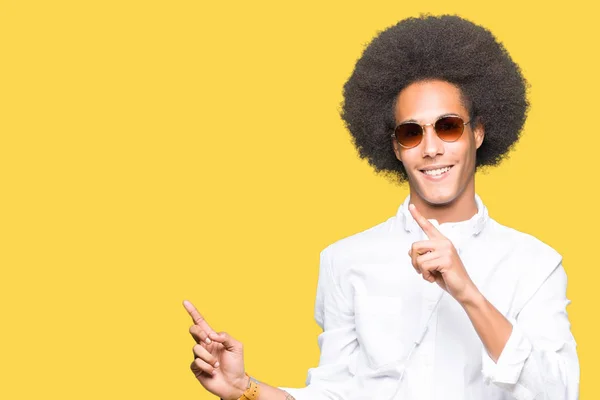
[227, 341]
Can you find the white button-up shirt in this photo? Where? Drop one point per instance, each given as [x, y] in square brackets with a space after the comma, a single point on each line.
[388, 334]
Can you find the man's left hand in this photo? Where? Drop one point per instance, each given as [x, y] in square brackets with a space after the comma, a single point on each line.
[438, 261]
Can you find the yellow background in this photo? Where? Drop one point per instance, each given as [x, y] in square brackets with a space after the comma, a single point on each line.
[156, 151]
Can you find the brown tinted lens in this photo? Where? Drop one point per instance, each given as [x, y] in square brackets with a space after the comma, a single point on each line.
[449, 129]
[409, 134]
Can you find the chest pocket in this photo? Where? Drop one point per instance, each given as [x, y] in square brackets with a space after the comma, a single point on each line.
[381, 329]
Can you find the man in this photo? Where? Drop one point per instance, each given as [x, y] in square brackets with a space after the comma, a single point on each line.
[440, 301]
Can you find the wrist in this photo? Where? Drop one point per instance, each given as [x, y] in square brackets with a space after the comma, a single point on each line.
[471, 297]
[240, 386]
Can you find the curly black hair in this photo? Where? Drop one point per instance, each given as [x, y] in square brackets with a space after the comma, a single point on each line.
[448, 48]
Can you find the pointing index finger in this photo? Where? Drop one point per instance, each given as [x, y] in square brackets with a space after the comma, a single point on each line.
[197, 317]
[430, 230]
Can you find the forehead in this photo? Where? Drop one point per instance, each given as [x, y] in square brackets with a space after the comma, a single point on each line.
[425, 101]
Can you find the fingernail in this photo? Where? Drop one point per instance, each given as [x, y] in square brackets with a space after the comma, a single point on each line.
[214, 371]
[208, 341]
[217, 364]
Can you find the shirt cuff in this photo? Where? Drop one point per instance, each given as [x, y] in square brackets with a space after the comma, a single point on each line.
[511, 361]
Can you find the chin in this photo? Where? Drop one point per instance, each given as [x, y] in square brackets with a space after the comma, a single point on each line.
[439, 196]
[439, 200]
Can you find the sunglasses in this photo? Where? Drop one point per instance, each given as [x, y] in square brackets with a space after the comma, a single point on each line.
[448, 128]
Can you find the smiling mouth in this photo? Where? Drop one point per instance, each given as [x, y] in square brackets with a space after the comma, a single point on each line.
[436, 172]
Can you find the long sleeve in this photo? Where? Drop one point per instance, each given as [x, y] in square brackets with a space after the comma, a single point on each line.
[539, 360]
[332, 379]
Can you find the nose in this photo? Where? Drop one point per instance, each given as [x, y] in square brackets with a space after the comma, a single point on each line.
[432, 144]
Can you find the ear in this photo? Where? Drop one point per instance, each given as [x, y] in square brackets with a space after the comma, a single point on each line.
[479, 133]
[397, 149]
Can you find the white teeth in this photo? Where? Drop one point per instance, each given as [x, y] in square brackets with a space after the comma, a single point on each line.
[435, 172]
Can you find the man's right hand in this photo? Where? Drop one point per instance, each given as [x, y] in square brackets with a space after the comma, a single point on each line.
[218, 359]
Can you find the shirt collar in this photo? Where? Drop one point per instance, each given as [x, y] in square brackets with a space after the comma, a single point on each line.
[472, 226]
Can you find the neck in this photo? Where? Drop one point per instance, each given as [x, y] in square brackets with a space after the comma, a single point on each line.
[462, 208]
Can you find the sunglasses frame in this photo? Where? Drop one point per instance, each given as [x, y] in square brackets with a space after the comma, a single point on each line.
[393, 135]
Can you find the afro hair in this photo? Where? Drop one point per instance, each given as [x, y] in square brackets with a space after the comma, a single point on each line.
[447, 48]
